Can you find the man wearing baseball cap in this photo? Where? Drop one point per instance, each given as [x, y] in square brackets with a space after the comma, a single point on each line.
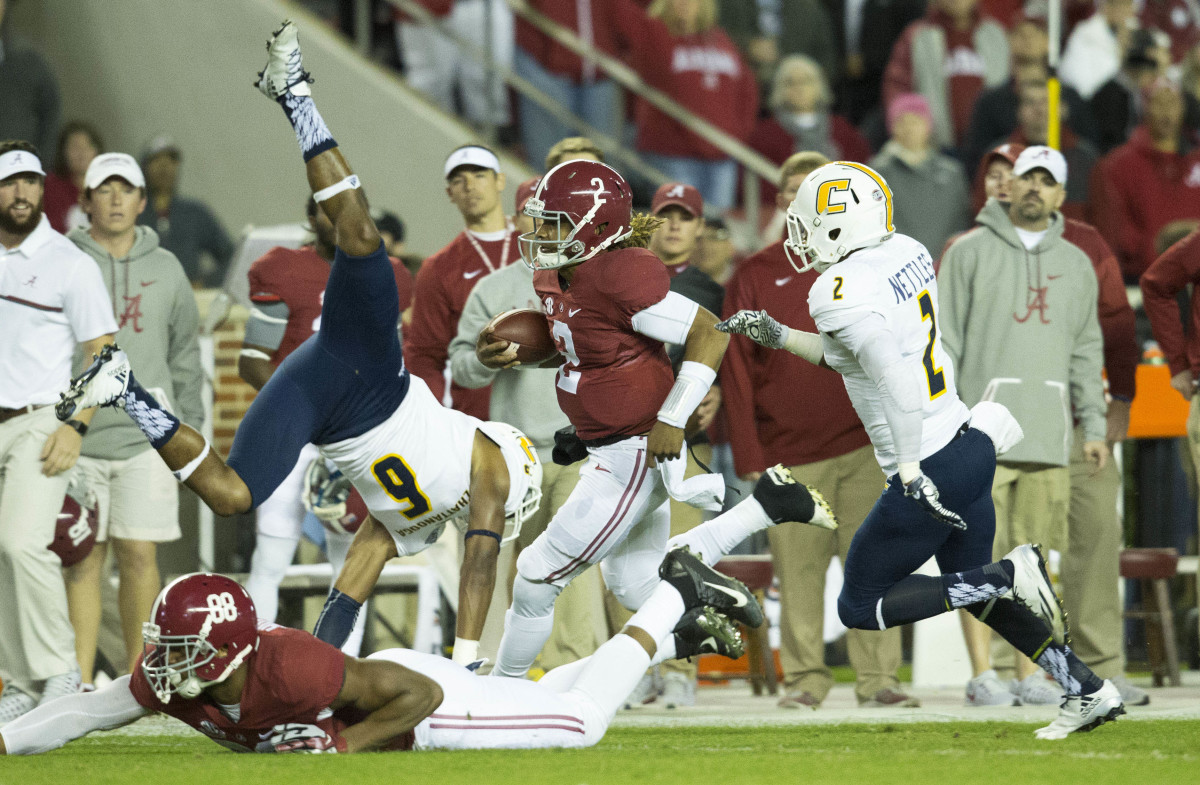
[157, 324]
[676, 241]
[1090, 573]
[1024, 300]
[52, 299]
[488, 243]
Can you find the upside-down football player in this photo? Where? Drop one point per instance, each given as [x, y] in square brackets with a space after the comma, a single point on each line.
[416, 464]
[876, 306]
[252, 688]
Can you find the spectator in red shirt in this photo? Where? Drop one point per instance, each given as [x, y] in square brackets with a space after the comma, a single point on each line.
[677, 48]
[825, 446]
[475, 185]
[949, 57]
[1146, 183]
[801, 119]
[575, 82]
[1174, 18]
[78, 144]
[1162, 283]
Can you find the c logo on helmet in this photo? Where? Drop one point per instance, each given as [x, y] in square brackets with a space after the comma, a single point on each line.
[825, 197]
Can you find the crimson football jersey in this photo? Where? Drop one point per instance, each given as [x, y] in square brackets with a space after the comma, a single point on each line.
[297, 278]
[614, 379]
[294, 678]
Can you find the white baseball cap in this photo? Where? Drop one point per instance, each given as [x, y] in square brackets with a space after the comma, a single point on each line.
[109, 165]
[1042, 157]
[472, 156]
[18, 161]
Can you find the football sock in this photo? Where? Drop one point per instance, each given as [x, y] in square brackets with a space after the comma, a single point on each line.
[268, 565]
[311, 132]
[524, 637]
[158, 424]
[336, 548]
[978, 585]
[337, 618]
[612, 673]
[919, 597]
[1032, 637]
[712, 540]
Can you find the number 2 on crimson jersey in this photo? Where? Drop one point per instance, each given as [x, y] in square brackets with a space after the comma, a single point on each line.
[568, 380]
[933, 374]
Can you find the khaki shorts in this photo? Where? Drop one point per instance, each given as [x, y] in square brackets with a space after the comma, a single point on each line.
[139, 497]
[1032, 505]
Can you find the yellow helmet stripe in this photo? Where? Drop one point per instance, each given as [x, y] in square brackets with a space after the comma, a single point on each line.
[887, 192]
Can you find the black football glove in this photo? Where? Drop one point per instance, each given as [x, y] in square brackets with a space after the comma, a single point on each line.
[925, 493]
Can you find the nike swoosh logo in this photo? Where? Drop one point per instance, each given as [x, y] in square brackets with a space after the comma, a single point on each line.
[147, 283]
[573, 311]
[471, 275]
[737, 596]
[782, 281]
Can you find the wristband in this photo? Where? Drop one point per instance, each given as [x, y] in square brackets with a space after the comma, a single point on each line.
[256, 354]
[335, 189]
[805, 345]
[79, 426]
[690, 388]
[465, 651]
[182, 474]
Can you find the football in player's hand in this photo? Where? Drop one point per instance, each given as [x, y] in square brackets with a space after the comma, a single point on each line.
[528, 329]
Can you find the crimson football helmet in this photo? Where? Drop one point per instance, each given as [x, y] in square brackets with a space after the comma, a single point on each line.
[585, 205]
[201, 628]
[75, 531]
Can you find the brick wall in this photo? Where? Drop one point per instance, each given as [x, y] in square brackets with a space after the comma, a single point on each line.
[231, 395]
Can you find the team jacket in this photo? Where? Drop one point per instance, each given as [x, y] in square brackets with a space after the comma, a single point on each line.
[781, 409]
[440, 293]
[158, 326]
[1161, 283]
[1022, 330]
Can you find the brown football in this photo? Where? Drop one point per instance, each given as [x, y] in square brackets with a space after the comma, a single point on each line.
[529, 330]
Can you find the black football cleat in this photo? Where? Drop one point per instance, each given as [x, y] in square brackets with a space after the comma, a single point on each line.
[704, 631]
[701, 585]
[784, 498]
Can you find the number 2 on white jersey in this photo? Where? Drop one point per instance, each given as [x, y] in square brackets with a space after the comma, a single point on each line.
[933, 374]
[568, 380]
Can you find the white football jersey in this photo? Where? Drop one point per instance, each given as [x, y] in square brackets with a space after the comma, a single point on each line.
[896, 280]
[414, 469]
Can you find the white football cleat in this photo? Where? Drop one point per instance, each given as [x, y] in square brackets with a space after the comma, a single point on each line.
[284, 71]
[1081, 713]
[1031, 587]
[784, 498]
[103, 383]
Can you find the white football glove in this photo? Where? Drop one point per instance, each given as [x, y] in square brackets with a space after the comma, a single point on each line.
[299, 737]
[925, 493]
[758, 326]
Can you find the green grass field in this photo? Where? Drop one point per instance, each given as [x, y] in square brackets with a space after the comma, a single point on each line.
[1139, 752]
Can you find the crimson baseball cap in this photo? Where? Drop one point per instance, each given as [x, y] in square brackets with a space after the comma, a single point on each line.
[1008, 151]
[1042, 157]
[526, 190]
[680, 194]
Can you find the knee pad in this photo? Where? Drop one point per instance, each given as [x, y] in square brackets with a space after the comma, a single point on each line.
[630, 591]
[533, 599]
[857, 613]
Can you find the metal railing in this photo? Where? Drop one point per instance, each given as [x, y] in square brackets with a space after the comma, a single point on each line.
[754, 165]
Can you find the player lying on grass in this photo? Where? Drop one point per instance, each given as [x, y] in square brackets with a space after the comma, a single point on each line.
[416, 464]
[208, 663]
[876, 306]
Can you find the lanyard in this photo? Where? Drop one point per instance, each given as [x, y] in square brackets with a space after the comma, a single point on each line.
[503, 250]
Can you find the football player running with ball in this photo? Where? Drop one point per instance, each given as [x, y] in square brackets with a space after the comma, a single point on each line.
[610, 309]
[261, 688]
[416, 464]
[875, 305]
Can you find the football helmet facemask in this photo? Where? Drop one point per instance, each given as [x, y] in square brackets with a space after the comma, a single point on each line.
[201, 628]
[580, 208]
[531, 468]
[839, 208]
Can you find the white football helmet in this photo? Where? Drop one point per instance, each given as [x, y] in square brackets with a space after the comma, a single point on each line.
[532, 468]
[840, 207]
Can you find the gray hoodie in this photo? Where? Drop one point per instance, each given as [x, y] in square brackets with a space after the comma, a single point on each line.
[1022, 329]
[525, 398]
[159, 322]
